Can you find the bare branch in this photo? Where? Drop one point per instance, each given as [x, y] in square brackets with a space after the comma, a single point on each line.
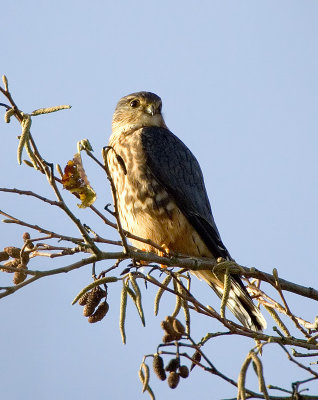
[18, 260]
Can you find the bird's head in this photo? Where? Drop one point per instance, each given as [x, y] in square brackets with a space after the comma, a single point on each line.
[138, 110]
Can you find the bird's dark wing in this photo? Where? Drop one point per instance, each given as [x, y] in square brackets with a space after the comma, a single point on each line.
[174, 166]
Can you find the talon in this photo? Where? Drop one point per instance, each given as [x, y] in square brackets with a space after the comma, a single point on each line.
[166, 252]
[166, 249]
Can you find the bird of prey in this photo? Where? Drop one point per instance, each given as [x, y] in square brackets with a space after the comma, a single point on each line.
[161, 195]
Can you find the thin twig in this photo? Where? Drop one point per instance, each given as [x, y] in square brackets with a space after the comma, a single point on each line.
[288, 312]
[32, 194]
[299, 364]
[114, 193]
[40, 229]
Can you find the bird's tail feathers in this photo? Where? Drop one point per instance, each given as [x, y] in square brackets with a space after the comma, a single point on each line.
[239, 302]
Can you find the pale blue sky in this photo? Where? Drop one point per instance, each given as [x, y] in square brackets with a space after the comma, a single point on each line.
[238, 80]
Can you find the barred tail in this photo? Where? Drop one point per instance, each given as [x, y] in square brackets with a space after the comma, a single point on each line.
[239, 302]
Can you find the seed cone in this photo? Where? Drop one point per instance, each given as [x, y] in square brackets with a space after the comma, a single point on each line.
[20, 276]
[173, 379]
[13, 252]
[169, 330]
[92, 301]
[178, 327]
[4, 256]
[173, 365]
[196, 357]
[183, 371]
[158, 367]
[12, 263]
[167, 338]
[100, 313]
[83, 299]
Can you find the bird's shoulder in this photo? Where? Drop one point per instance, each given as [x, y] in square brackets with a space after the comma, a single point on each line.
[174, 166]
[165, 150]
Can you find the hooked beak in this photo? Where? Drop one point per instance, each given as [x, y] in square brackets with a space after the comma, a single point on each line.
[151, 110]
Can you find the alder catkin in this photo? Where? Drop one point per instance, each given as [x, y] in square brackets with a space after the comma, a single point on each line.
[4, 256]
[158, 367]
[173, 365]
[173, 379]
[183, 371]
[12, 251]
[12, 263]
[100, 313]
[93, 298]
[20, 276]
[83, 299]
[196, 357]
[167, 338]
[169, 330]
[178, 327]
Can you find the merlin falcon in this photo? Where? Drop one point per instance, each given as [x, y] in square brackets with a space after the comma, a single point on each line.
[161, 195]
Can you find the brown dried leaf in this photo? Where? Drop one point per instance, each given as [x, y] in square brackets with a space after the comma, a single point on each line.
[75, 180]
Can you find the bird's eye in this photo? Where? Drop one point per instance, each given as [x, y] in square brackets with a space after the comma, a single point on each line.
[134, 103]
[160, 108]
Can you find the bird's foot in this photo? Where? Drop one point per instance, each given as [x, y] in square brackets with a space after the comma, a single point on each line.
[165, 252]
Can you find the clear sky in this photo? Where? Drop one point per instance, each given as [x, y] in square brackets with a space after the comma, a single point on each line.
[238, 80]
